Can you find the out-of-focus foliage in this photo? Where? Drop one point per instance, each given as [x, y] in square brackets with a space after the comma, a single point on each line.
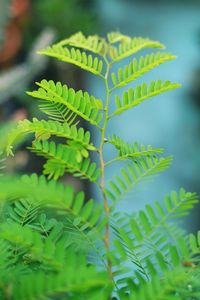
[66, 17]
[90, 250]
[63, 17]
[4, 15]
[163, 1]
[15, 80]
[36, 23]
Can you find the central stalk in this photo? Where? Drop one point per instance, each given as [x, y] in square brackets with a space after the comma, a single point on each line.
[102, 164]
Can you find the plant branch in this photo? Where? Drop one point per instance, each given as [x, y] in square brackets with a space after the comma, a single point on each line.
[102, 164]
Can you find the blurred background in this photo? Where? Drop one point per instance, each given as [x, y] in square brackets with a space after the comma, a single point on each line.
[171, 121]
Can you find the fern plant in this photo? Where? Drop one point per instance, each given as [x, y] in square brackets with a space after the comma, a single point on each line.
[54, 244]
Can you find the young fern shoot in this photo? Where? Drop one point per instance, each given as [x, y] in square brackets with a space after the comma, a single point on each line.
[131, 251]
[110, 54]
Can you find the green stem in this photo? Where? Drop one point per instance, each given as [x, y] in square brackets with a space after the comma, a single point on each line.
[102, 163]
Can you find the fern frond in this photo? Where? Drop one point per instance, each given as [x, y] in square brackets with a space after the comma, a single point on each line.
[92, 43]
[45, 225]
[85, 220]
[139, 67]
[146, 234]
[6, 260]
[194, 242]
[134, 173]
[176, 205]
[63, 241]
[62, 157]
[76, 57]
[45, 129]
[57, 112]
[11, 268]
[75, 280]
[71, 103]
[174, 285]
[142, 92]
[50, 250]
[44, 249]
[23, 211]
[130, 46]
[2, 160]
[89, 241]
[115, 37]
[130, 151]
[54, 195]
[37, 248]
[74, 234]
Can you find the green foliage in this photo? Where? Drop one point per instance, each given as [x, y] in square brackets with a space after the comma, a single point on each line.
[148, 235]
[24, 211]
[54, 244]
[4, 17]
[129, 46]
[45, 129]
[137, 68]
[66, 104]
[63, 158]
[140, 93]
[58, 14]
[76, 57]
[91, 43]
[131, 151]
[175, 285]
[135, 172]
[74, 278]
[1, 163]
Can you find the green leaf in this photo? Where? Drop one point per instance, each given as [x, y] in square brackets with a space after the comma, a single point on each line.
[115, 37]
[92, 43]
[134, 97]
[77, 278]
[134, 173]
[129, 46]
[130, 151]
[72, 103]
[76, 57]
[45, 129]
[23, 211]
[51, 194]
[139, 67]
[62, 157]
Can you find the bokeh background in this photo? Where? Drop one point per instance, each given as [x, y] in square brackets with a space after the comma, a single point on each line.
[171, 121]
